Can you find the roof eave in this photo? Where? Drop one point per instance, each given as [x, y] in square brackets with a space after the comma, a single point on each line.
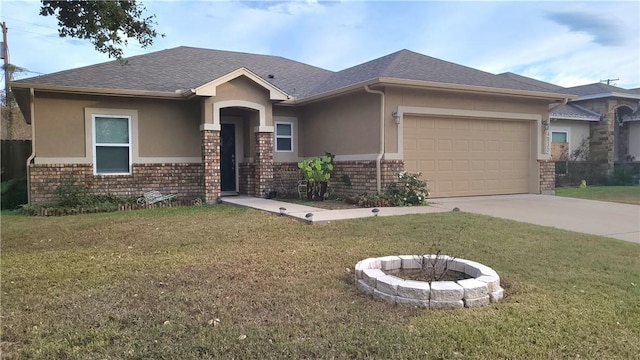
[99, 91]
[608, 95]
[573, 118]
[478, 89]
[330, 94]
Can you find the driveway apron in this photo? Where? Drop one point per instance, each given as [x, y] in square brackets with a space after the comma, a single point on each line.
[619, 221]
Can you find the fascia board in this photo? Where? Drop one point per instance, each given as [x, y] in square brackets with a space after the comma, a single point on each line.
[97, 91]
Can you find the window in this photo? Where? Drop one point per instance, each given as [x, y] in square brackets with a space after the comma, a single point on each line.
[284, 136]
[559, 137]
[112, 144]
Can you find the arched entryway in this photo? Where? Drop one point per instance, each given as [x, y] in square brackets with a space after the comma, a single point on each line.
[621, 135]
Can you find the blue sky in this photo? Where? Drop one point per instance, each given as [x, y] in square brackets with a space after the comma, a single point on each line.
[567, 43]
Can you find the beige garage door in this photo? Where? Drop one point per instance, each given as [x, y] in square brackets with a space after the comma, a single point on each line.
[462, 157]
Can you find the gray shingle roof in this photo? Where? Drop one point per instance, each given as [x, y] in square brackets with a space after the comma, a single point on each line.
[409, 65]
[185, 68]
[531, 81]
[573, 112]
[596, 89]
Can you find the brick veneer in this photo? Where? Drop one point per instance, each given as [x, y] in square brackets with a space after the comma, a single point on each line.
[361, 174]
[211, 162]
[263, 163]
[285, 178]
[547, 177]
[247, 179]
[184, 180]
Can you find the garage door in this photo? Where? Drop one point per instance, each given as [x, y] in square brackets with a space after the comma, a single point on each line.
[463, 157]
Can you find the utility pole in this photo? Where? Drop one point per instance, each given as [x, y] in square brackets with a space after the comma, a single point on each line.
[5, 53]
[7, 73]
[608, 81]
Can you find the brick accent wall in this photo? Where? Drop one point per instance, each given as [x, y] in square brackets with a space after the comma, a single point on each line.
[184, 180]
[362, 175]
[547, 177]
[211, 162]
[390, 171]
[246, 174]
[263, 164]
[285, 178]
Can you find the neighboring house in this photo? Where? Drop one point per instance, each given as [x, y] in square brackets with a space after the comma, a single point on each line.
[617, 135]
[606, 115]
[207, 123]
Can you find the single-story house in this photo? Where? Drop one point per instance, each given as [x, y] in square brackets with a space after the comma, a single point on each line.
[605, 115]
[208, 123]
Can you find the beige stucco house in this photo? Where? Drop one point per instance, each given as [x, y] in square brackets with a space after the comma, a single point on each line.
[208, 123]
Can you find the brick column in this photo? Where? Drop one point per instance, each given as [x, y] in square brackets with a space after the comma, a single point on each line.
[547, 177]
[211, 164]
[263, 163]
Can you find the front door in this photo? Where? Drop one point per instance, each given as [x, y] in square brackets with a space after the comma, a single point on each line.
[228, 158]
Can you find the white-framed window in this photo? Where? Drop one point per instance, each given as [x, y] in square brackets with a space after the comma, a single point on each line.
[559, 137]
[111, 144]
[284, 136]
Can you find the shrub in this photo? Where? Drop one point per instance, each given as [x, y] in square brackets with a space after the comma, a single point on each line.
[409, 190]
[13, 193]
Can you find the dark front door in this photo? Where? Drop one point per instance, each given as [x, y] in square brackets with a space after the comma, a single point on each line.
[228, 157]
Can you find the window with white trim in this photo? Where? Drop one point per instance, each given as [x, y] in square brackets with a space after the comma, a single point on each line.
[284, 136]
[112, 144]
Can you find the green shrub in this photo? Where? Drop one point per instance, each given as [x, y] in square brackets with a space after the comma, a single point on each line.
[13, 193]
[409, 190]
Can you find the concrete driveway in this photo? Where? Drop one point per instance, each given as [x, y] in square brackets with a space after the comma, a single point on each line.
[619, 221]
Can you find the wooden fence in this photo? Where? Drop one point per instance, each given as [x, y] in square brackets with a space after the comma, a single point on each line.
[14, 157]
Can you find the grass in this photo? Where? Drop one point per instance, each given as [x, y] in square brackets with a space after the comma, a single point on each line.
[619, 194]
[148, 284]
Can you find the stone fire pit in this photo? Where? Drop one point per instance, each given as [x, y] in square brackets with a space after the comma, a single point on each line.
[481, 288]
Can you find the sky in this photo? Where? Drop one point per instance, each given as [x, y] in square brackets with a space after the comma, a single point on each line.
[562, 42]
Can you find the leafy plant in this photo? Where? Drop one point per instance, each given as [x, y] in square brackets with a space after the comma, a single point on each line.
[317, 171]
[106, 24]
[71, 194]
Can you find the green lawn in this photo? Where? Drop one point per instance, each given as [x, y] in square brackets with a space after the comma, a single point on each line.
[149, 284]
[621, 194]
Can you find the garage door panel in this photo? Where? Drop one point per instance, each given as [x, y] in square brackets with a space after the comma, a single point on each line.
[427, 145]
[460, 157]
[427, 166]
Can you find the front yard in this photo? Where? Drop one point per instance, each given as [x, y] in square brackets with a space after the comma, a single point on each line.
[620, 194]
[152, 284]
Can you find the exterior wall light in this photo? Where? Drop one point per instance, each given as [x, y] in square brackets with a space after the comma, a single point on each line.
[396, 117]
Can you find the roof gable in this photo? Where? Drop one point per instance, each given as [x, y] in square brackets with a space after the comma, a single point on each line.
[209, 89]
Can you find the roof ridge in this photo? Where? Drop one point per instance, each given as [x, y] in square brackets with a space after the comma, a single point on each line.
[397, 57]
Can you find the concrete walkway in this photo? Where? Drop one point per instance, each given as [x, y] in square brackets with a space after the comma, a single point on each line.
[323, 215]
[620, 221]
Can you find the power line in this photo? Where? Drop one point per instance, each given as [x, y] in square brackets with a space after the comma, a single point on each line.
[26, 22]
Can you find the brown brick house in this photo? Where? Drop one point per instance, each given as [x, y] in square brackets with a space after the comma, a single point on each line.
[206, 123]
